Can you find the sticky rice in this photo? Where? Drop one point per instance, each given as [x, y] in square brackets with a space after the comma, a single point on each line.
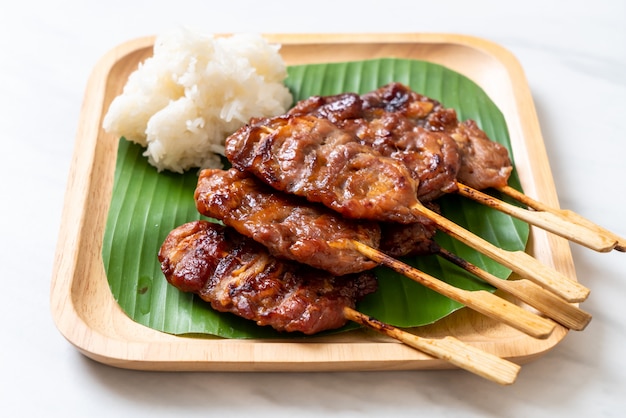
[194, 91]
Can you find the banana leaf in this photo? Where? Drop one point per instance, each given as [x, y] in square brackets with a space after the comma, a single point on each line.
[147, 205]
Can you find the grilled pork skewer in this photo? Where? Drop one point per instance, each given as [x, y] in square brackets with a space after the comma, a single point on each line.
[294, 228]
[444, 154]
[237, 275]
[312, 158]
[290, 227]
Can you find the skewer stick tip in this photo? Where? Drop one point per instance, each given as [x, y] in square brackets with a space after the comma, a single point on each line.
[456, 352]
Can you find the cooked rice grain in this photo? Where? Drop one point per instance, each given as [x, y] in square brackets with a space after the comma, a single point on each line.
[194, 91]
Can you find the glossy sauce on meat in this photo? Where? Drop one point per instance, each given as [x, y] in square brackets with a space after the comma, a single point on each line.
[290, 227]
[237, 275]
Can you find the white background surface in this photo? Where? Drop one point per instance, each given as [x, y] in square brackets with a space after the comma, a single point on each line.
[574, 56]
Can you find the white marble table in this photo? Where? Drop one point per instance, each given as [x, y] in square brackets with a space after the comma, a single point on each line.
[574, 55]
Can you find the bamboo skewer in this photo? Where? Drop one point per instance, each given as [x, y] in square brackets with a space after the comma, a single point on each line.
[566, 224]
[481, 301]
[618, 243]
[449, 349]
[520, 262]
[545, 302]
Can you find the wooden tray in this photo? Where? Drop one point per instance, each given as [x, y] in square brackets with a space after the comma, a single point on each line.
[88, 316]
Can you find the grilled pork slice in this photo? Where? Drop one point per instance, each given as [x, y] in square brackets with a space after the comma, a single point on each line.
[312, 158]
[236, 274]
[290, 227]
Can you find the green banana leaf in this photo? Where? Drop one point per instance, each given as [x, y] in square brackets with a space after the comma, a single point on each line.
[147, 205]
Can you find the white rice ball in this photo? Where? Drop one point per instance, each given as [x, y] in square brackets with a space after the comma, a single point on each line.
[194, 91]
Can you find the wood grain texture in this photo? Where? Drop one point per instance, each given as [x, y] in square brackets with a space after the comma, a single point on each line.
[86, 313]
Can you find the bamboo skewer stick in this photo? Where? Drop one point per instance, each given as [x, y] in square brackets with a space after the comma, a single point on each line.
[520, 262]
[619, 243]
[545, 302]
[449, 349]
[563, 223]
[481, 301]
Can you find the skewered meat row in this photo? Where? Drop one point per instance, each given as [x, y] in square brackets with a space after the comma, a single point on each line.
[302, 126]
[256, 211]
[236, 274]
[360, 183]
[420, 132]
[295, 229]
[340, 147]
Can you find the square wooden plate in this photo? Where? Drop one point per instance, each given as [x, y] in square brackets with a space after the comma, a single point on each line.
[87, 315]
